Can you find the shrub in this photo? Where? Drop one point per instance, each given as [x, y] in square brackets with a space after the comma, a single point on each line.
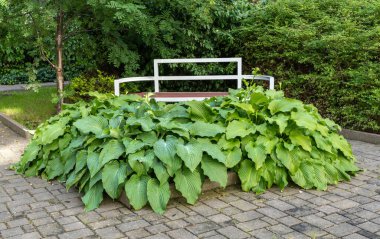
[81, 86]
[139, 145]
[325, 52]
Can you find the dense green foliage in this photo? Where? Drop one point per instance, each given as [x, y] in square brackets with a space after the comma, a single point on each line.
[325, 52]
[141, 146]
[121, 37]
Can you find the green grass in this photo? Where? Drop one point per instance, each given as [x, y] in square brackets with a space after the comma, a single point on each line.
[28, 107]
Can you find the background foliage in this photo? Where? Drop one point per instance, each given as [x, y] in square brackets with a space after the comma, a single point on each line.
[324, 52]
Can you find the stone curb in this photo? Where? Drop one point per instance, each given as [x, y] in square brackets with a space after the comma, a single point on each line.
[207, 186]
[16, 127]
[21, 87]
[361, 136]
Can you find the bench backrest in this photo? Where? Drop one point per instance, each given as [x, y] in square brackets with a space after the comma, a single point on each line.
[157, 78]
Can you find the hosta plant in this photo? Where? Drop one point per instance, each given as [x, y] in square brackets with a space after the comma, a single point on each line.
[138, 146]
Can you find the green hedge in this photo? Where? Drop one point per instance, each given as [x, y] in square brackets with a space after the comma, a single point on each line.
[324, 52]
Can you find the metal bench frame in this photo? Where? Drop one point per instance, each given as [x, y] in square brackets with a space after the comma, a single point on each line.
[157, 78]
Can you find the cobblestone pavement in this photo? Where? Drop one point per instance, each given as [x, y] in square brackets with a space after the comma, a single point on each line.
[34, 208]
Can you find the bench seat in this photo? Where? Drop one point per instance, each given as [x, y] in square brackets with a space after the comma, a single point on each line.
[182, 96]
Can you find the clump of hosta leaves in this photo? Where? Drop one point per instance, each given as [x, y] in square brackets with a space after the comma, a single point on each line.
[136, 145]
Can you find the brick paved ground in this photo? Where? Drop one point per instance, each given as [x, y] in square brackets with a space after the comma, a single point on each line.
[33, 208]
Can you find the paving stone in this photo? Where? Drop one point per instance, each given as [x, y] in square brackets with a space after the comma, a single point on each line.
[289, 221]
[263, 234]
[104, 223]
[12, 232]
[202, 227]
[243, 205]
[252, 225]
[271, 212]
[216, 203]
[369, 226]
[73, 226]
[204, 210]
[317, 221]
[30, 235]
[17, 223]
[81, 233]
[155, 229]
[233, 232]
[247, 216]
[280, 205]
[345, 204]
[109, 233]
[50, 229]
[342, 229]
[368, 234]
[138, 233]
[373, 206]
[129, 226]
[308, 229]
[328, 209]
[177, 224]
[181, 233]
[280, 229]
[219, 218]
[355, 236]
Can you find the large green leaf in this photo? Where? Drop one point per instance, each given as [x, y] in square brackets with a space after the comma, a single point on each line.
[114, 174]
[200, 111]
[304, 119]
[136, 190]
[158, 195]
[212, 149]
[288, 158]
[52, 132]
[145, 122]
[81, 160]
[281, 120]
[93, 163]
[93, 197]
[216, 171]
[239, 129]
[30, 153]
[206, 129]
[248, 175]
[340, 143]
[298, 138]
[54, 168]
[191, 154]
[113, 149]
[141, 161]
[256, 153]
[133, 146]
[160, 171]
[228, 144]
[189, 184]
[233, 157]
[283, 105]
[166, 150]
[92, 124]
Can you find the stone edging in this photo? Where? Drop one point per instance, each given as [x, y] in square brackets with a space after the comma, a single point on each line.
[16, 127]
[207, 186]
[21, 87]
[361, 136]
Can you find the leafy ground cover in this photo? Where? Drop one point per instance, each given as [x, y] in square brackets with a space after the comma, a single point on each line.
[141, 146]
[28, 107]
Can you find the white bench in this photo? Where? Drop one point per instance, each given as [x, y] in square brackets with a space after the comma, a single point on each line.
[186, 96]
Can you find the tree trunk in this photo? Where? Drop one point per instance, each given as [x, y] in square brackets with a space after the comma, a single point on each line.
[59, 65]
